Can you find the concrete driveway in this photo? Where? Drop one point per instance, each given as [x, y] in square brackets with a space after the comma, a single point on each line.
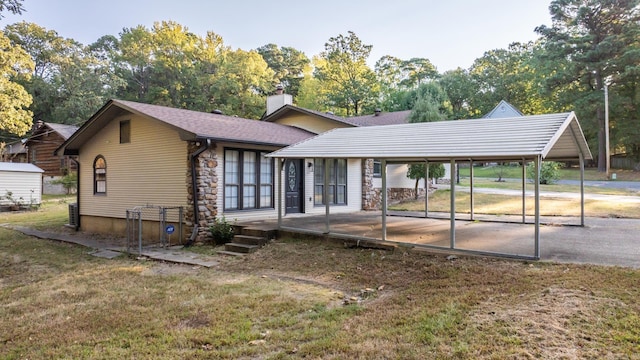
[602, 241]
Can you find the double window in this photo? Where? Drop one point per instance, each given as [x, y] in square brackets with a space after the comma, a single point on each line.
[99, 175]
[337, 190]
[248, 180]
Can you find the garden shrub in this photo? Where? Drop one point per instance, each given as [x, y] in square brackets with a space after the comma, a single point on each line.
[549, 172]
[222, 231]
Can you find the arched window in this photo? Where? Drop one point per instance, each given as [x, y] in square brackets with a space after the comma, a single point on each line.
[99, 175]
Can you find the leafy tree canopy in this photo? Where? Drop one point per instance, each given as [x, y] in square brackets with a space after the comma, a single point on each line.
[347, 82]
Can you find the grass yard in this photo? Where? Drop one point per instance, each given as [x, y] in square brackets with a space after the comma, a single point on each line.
[440, 201]
[305, 299]
[513, 184]
[287, 301]
[515, 172]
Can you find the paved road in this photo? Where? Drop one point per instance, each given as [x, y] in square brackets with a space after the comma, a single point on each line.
[553, 194]
[629, 185]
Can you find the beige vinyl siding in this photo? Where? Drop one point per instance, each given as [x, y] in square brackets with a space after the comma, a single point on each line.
[151, 169]
[312, 124]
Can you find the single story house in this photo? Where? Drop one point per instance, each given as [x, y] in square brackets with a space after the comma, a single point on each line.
[131, 154]
[20, 185]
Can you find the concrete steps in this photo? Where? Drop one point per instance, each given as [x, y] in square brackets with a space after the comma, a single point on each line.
[247, 240]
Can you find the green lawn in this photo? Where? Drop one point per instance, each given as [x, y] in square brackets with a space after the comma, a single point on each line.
[515, 172]
[516, 184]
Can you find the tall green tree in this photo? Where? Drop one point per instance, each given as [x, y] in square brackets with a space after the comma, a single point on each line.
[591, 42]
[513, 74]
[347, 81]
[136, 59]
[288, 65]
[430, 106]
[460, 90]
[69, 82]
[43, 46]
[244, 77]
[398, 78]
[15, 117]
[417, 71]
[309, 93]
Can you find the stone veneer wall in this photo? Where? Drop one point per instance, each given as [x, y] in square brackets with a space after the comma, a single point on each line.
[207, 190]
[370, 199]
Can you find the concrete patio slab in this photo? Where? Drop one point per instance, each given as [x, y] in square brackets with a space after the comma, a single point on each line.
[602, 241]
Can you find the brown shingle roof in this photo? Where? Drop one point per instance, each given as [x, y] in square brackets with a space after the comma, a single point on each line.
[65, 131]
[191, 125]
[388, 118]
[219, 127]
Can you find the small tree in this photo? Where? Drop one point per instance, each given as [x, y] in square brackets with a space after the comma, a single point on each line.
[500, 171]
[417, 172]
[549, 172]
[69, 182]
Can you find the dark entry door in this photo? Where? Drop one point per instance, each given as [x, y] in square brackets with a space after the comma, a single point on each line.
[293, 171]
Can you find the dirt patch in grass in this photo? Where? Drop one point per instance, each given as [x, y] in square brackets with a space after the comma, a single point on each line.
[546, 324]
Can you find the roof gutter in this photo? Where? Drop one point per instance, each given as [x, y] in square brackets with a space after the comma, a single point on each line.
[194, 186]
[77, 225]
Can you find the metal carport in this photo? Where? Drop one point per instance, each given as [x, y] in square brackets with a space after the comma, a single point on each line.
[523, 139]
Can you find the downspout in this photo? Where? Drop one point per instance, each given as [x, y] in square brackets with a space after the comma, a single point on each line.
[77, 227]
[194, 186]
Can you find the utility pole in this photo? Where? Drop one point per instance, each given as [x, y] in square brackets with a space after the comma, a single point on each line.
[606, 129]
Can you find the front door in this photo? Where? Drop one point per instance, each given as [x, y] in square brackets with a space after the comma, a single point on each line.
[293, 171]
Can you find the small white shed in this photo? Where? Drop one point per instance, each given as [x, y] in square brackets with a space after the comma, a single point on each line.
[21, 182]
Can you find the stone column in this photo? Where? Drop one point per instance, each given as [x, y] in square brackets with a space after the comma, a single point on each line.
[206, 190]
[370, 196]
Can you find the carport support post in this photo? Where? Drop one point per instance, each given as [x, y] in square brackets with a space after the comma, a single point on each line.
[537, 207]
[279, 170]
[471, 189]
[383, 170]
[453, 207]
[524, 191]
[581, 189]
[325, 195]
[426, 189]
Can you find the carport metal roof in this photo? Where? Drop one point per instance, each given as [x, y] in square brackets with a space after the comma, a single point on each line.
[553, 137]
[524, 138]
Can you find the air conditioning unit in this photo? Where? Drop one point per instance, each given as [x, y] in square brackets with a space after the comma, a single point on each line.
[73, 214]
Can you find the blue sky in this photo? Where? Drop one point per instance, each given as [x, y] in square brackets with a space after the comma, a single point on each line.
[450, 33]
